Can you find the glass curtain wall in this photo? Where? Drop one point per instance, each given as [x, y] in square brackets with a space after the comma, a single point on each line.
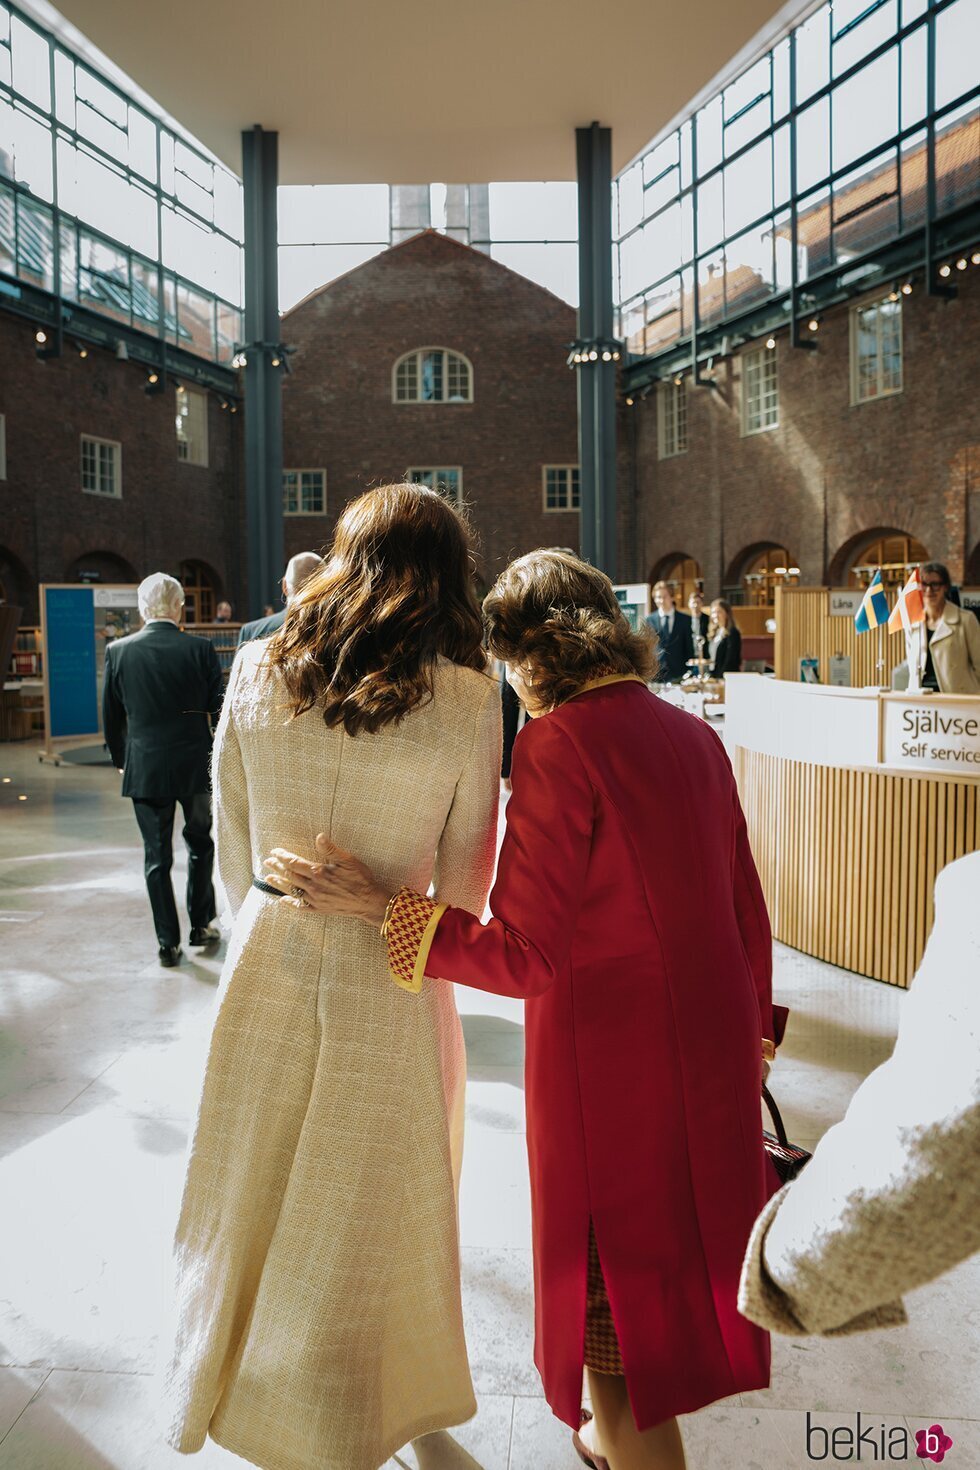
[833, 126]
[102, 203]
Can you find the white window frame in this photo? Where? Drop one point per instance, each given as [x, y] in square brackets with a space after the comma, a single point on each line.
[855, 343]
[417, 353]
[569, 508]
[196, 453]
[307, 470]
[672, 407]
[116, 492]
[766, 358]
[3, 446]
[435, 470]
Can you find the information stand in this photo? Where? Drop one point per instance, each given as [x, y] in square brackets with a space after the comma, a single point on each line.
[77, 622]
[634, 599]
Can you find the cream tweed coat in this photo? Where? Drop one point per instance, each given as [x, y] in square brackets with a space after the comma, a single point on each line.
[891, 1198]
[318, 1318]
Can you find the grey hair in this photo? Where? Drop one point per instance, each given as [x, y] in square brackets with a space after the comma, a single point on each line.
[159, 596]
[299, 569]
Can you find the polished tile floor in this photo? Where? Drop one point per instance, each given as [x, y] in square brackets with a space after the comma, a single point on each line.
[100, 1060]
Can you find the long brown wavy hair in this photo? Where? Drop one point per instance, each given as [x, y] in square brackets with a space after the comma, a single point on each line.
[558, 617]
[362, 636]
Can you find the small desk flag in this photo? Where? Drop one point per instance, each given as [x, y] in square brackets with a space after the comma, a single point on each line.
[873, 612]
[909, 611]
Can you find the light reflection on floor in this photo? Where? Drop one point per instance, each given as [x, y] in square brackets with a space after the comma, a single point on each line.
[100, 1063]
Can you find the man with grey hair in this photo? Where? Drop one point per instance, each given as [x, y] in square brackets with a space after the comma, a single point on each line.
[161, 696]
[299, 569]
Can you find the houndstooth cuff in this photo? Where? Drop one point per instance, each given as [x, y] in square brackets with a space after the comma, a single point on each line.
[409, 929]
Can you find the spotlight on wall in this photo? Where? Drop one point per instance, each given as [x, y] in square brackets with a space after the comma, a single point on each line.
[234, 408]
[593, 355]
[945, 270]
[83, 352]
[962, 263]
[629, 403]
[616, 356]
[239, 360]
[156, 381]
[906, 288]
[224, 403]
[678, 379]
[813, 325]
[770, 343]
[47, 344]
[975, 257]
[607, 356]
[276, 360]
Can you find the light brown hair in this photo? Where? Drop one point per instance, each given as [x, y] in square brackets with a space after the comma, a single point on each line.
[362, 635]
[722, 602]
[558, 616]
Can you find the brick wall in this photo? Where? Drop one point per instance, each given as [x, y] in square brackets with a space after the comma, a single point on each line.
[169, 511]
[338, 412]
[830, 472]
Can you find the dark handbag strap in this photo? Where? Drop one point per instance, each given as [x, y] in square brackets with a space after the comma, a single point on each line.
[775, 1115]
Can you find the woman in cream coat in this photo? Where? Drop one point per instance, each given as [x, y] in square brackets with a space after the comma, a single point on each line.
[319, 1324]
[891, 1198]
[943, 653]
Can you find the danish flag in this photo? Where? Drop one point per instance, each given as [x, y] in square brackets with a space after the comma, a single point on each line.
[909, 611]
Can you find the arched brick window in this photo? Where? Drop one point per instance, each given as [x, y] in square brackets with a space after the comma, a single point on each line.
[432, 375]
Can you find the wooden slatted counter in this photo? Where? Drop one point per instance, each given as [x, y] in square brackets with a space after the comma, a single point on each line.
[855, 800]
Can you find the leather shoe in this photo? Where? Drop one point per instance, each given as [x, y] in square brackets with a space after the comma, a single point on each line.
[170, 955]
[596, 1462]
[203, 937]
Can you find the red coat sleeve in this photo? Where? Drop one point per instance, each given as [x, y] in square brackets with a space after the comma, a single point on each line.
[753, 920]
[540, 876]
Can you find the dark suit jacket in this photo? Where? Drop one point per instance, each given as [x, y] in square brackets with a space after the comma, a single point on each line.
[160, 699]
[728, 659]
[675, 650]
[511, 709]
[261, 627]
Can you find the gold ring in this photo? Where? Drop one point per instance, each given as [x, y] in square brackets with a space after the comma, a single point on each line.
[297, 892]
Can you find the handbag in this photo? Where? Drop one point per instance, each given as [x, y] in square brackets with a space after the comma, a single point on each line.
[787, 1158]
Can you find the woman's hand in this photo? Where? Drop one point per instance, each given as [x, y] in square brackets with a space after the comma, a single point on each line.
[337, 884]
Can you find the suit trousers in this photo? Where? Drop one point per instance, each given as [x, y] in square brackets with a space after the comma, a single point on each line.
[156, 824]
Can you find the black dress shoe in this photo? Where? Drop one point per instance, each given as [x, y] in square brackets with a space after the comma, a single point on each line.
[203, 937]
[170, 955]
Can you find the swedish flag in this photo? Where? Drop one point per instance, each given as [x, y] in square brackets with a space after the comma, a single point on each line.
[873, 611]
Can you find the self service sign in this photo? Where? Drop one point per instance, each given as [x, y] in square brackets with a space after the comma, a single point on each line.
[941, 733]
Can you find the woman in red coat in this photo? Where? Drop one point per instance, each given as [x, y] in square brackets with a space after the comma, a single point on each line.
[628, 913]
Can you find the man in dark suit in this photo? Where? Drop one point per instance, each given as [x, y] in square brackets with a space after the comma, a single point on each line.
[673, 630]
[160, 701]
[298, 570]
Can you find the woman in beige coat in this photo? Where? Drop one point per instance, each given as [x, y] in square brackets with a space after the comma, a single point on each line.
[319, 1324]
[891, 1197]
[943, 653]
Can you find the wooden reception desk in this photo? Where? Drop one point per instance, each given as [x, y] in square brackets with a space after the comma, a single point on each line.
[855, 799]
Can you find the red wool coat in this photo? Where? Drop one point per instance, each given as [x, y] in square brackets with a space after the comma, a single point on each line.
[628, 913]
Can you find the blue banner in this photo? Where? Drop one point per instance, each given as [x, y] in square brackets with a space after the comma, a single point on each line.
[69, 624]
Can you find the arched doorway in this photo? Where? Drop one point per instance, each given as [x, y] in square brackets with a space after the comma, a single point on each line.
[15, 581]
[755, 573]
[682, 574]
[202, 591]
[101, 566]
[894, 551]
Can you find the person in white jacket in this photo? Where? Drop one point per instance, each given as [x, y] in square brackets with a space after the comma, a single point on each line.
[891, 1197]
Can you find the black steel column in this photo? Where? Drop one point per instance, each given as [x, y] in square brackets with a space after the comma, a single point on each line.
[596, 376]
[263, 395]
